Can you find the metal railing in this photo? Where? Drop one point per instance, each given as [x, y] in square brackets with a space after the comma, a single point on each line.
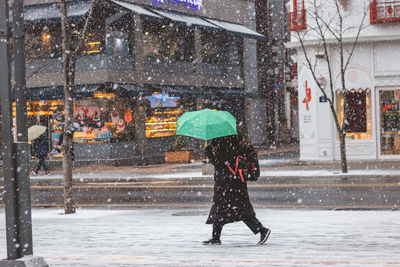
[297, 20]
[384, 11]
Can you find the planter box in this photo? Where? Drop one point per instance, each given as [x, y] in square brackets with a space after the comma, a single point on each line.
[182, 156]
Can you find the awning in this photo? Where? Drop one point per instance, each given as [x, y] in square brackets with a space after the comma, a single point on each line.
[188, 20]
[237, 29]
[57, 92]
[51, 11]
[137, 9]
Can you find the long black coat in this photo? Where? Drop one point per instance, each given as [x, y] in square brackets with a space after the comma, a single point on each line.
[231, 201]
[41, 146]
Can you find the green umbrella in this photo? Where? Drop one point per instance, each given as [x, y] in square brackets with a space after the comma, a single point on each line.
[207, 124]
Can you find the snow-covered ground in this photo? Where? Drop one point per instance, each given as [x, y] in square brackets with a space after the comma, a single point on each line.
[95, 237]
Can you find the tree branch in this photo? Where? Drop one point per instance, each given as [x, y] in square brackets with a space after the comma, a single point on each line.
[360, 28]
[81, 41]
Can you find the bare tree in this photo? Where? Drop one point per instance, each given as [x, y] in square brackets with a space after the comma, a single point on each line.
[70, 52]
[329, 33]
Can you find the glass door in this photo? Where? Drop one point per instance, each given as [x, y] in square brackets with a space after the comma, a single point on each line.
[389, 123]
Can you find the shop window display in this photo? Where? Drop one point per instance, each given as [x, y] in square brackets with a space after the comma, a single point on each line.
[389, 122]
[162, 120]
[47, 113]
[98, 120]
[359, 117]
[169, 43]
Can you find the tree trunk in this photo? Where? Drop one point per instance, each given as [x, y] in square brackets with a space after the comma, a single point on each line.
[343, 159]
[69, 201]
[68, 71]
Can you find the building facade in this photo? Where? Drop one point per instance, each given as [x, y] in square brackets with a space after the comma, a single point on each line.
[372, 81]
[275, 72]
[145, 62]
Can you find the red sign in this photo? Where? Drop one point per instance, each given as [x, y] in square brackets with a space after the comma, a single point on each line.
[307, 98]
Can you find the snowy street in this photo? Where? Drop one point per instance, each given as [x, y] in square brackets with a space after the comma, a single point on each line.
[171, 237]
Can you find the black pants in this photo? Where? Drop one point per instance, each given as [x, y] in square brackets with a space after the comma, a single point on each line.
[254, 224]
[41, 162]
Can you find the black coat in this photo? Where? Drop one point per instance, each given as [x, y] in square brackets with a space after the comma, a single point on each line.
[231, 201]
[41, 146]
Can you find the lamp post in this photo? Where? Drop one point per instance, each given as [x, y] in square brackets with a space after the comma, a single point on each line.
[15, 154]
[7, 142]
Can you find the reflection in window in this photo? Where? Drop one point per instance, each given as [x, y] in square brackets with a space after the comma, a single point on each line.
[166, 42]
[359, 122]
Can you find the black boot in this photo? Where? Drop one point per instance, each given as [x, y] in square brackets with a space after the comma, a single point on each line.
[216, 234]
[212, 241]
[264, 234]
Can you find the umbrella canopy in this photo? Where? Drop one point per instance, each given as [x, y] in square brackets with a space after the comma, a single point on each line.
[207, 124]
[35, 131]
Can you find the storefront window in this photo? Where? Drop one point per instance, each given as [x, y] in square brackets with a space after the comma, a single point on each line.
[119, 36]
[98, 119]
[48, 113]
[163, 119]
[166, 42]
[212, 51]
[102, 119]
[219, 48]
[164, 111]
[359, 120]
[95, 37]
[43, 41]
[389, 122]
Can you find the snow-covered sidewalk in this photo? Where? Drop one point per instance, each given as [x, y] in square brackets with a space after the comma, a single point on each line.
[197, 174]
[98, 237]
[273, 168]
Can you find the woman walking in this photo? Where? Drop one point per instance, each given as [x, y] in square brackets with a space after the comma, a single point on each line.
[231, 201]
[41, 149]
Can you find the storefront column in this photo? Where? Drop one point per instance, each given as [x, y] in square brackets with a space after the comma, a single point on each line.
[255, 107]
[140, 112]
[140, 126]
[138, 46]
[197, 57]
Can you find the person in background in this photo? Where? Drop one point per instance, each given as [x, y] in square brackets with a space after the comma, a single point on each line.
[75, 126]
[40, 150]
[231, 201]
